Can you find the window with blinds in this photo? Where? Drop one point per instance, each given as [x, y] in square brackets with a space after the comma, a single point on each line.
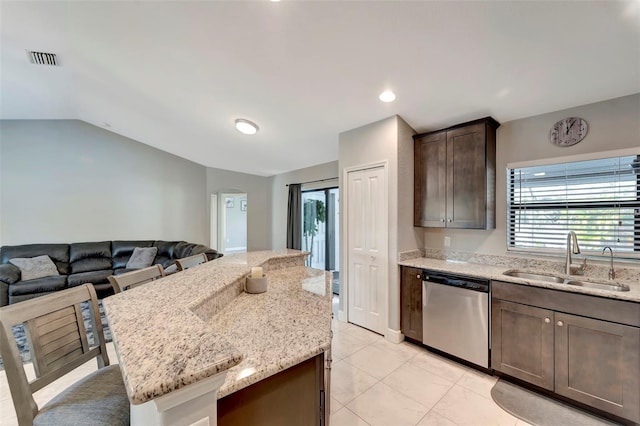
[598, 199]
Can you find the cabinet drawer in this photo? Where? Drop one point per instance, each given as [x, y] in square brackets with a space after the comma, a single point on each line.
[613, 310]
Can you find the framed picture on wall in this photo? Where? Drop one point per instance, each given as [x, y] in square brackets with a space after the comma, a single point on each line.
[243, 205]
[228, 202]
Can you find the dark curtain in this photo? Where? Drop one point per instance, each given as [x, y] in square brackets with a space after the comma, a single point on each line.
[294, 217]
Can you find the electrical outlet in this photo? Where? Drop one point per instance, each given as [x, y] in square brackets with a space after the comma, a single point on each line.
[447, 241]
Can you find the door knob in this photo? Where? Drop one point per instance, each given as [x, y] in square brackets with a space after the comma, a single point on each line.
[560, 323]
[547, 320]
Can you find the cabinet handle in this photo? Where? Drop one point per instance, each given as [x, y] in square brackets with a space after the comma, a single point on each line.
[450, 220]
[442, 220]
[418, 276]
[560, 323]
[547, 320]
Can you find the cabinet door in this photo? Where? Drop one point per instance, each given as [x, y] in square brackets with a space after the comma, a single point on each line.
[598, 363]
[522, 342]
[411, 303]
[466, 177]
[430, 154]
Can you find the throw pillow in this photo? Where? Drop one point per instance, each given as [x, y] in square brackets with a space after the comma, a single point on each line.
[142, 257]
[32, 268]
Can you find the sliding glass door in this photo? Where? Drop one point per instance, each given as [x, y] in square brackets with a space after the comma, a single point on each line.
[320, 231]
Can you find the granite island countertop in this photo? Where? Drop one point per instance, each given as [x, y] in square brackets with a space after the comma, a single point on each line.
[496, 272]
[193, 324]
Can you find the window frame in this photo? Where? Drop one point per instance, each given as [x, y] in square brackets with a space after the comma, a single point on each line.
[510, 225]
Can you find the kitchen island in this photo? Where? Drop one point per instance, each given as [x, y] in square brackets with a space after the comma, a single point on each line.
[195, 337]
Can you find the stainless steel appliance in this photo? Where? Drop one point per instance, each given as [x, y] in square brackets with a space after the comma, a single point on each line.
[455, 315]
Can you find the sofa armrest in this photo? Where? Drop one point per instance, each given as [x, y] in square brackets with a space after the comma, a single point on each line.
[9, 273]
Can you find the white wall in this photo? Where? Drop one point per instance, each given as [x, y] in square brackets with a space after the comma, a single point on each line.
[613, 124]
[69, 181]
[387, 140]
[280, 195]
[258, 190]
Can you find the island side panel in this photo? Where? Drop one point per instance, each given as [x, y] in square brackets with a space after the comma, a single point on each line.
[293, 396]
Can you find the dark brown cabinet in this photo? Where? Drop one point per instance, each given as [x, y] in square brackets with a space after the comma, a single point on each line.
[411, 303]
[598, 363]
[454, 176]
[595, 361]
[523, 341]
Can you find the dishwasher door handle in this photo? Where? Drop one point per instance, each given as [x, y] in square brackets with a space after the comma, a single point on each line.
[424, 296]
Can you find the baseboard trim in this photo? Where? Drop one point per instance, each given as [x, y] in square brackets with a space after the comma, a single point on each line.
[394, 336]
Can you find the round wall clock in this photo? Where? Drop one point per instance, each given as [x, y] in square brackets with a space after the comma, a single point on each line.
[568, 131]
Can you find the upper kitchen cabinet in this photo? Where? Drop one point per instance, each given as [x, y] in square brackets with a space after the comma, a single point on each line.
[455, 174]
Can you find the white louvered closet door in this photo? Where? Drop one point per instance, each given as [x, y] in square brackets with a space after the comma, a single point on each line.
[367, 249]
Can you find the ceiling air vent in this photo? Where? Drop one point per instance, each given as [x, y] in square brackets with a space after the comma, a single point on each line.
[43, 58]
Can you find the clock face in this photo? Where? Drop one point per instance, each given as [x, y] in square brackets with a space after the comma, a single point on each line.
[568, 131]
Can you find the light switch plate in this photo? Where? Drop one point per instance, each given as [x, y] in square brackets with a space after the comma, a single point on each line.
[447, 241]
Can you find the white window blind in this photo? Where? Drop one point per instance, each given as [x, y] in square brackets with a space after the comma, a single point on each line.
[598, 199]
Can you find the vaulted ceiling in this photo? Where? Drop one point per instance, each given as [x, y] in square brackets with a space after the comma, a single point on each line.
[175, 75]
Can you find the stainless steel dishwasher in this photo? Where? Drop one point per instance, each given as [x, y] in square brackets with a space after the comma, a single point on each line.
[455, 315]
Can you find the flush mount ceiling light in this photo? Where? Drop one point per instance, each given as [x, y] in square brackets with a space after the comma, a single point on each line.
[387, 96]
[247, 127]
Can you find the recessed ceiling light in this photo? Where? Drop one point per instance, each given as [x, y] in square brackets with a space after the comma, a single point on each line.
[247, 127]
[387, 96]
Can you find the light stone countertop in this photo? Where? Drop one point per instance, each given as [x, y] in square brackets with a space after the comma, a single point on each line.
[278, 329]
[496, 272]
[181, 329]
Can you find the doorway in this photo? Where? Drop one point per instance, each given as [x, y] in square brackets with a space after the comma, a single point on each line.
[320, 231]
[232, 222]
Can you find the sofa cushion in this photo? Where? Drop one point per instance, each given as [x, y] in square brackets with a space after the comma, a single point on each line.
[32, 268]
[93, 277]
[171, 269]
[122, 250]
[142, 257]
[40, 285]
[122, 271]
[84, 257]
[59, 253]
[166, 252]
[199, 248]
[182, 249]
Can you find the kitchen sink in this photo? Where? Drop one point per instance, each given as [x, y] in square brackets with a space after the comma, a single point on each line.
[533, 276]
[560, 280]
[601, 286]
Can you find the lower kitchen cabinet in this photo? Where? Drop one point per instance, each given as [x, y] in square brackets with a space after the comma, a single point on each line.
[522, 339]
[598, 363]
[411, 303]
[595, 361]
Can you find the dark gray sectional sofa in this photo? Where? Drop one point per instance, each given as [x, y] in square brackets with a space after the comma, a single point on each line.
[80, 263]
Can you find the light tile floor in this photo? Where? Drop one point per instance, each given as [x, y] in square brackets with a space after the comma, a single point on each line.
[373, 382]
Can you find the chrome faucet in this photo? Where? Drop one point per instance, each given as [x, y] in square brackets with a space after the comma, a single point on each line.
[612, 273]
[575, 248]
